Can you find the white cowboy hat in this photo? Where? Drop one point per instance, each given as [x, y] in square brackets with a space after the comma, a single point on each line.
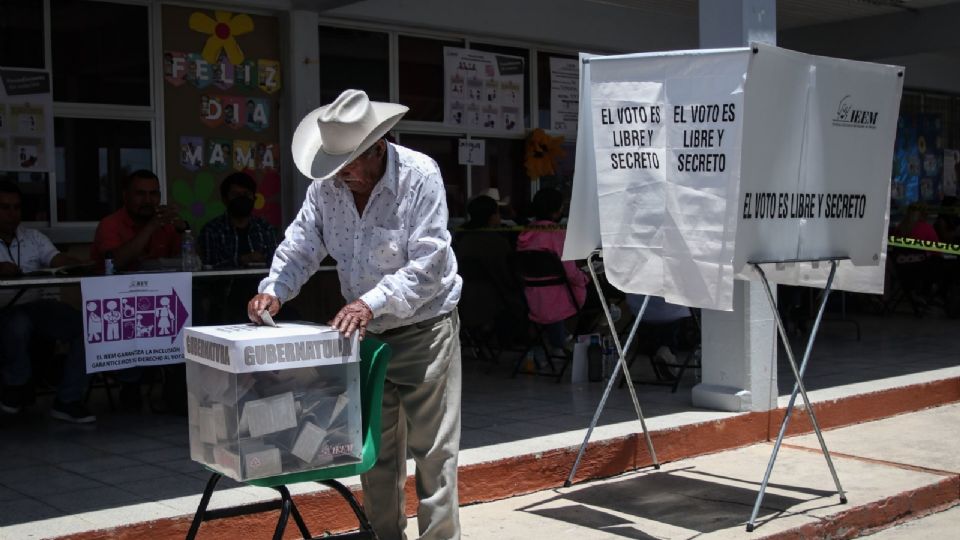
[333, 135]
[494, 194]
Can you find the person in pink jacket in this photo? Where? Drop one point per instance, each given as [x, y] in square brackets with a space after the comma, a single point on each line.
[551, 306]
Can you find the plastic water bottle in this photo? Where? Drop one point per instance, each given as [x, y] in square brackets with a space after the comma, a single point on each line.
[188, 254]
[108, 269]
[609, 358]
[594, 360]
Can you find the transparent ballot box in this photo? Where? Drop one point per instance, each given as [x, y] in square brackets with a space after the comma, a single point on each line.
[266, 401]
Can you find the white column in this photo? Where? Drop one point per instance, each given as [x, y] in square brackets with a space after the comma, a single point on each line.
[739, 347]
[302, 78]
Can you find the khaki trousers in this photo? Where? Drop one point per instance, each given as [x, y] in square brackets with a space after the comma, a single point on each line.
[421, 415]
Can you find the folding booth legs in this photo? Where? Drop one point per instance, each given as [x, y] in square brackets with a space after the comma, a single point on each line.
[798, 386]
[622, 362]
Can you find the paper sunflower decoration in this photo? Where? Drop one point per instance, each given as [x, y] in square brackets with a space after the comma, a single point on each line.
[542, 153]
[222, 29]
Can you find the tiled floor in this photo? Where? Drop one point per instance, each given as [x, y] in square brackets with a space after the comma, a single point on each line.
[140, 462]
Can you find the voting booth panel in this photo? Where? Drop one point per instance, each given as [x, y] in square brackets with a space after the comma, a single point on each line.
[818, 143]
[265, 401]
[667, 132]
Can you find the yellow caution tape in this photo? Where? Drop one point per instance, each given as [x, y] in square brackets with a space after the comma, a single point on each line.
[924, 245]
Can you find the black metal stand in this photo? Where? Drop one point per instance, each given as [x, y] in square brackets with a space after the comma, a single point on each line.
[287, 508]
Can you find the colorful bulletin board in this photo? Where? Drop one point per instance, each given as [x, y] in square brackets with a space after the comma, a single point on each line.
[918, 160]
[222, 81]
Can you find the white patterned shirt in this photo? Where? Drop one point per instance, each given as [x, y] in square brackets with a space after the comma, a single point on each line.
[396, 257]
[30, 250]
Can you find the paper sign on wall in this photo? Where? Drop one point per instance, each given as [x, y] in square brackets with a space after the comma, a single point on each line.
[483, 90]
[26, 120]
[564, 96]
[472, 152]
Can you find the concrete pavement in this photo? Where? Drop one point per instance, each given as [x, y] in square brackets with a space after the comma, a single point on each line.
[893, 470]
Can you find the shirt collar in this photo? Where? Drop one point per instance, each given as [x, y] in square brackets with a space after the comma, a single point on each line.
[17, 235]
[391, 174]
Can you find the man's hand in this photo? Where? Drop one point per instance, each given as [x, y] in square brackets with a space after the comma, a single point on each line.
[168, 215]
[260, 302]
[353, 316]
[8, 269]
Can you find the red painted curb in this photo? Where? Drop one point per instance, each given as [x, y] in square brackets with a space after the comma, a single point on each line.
[889, 511]
[484, 482]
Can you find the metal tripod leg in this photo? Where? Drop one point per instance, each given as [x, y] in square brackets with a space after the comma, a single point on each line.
[621, 352]
[798, 386]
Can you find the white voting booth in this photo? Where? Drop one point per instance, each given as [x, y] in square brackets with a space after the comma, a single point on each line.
[695, 168]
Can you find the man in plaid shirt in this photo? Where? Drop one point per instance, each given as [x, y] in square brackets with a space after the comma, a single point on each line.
[237, 238]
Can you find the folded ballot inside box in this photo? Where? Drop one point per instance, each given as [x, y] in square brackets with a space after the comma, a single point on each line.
[265, 401]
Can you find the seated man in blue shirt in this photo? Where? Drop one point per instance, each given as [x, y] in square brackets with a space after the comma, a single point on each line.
[237, 238]
[27, 250]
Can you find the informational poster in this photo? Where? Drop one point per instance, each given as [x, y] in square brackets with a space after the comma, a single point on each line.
[666, 136]
[564, 96]
[26, 120]
[483, 91]
[695, 163]
[221, 95]
[135, 319]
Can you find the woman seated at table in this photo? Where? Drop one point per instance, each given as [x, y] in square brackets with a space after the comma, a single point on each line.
[552, 306]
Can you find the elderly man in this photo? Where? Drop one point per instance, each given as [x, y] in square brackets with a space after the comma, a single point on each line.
[380, 210]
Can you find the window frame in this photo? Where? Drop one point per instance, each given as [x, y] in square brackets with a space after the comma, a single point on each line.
[63, 231]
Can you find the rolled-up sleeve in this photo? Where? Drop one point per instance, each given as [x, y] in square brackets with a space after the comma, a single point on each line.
[428, 266]
[299, 254]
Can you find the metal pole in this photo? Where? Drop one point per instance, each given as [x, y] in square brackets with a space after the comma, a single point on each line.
[798, 374]
[621, 351]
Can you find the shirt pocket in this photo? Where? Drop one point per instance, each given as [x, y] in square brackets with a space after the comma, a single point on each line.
[388, 249]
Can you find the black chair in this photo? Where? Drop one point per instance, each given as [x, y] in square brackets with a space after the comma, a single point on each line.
[543, 269]
[478, 305]
[911, 273]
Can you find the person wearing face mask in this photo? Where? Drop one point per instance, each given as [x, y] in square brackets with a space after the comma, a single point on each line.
[237, 238]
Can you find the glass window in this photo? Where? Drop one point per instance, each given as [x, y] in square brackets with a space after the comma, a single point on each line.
[354, 59]
[443, 149]
[92, 157]
[503, 169]
[21, 33]
[421, 76]
[522, 53]
[101, 52]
